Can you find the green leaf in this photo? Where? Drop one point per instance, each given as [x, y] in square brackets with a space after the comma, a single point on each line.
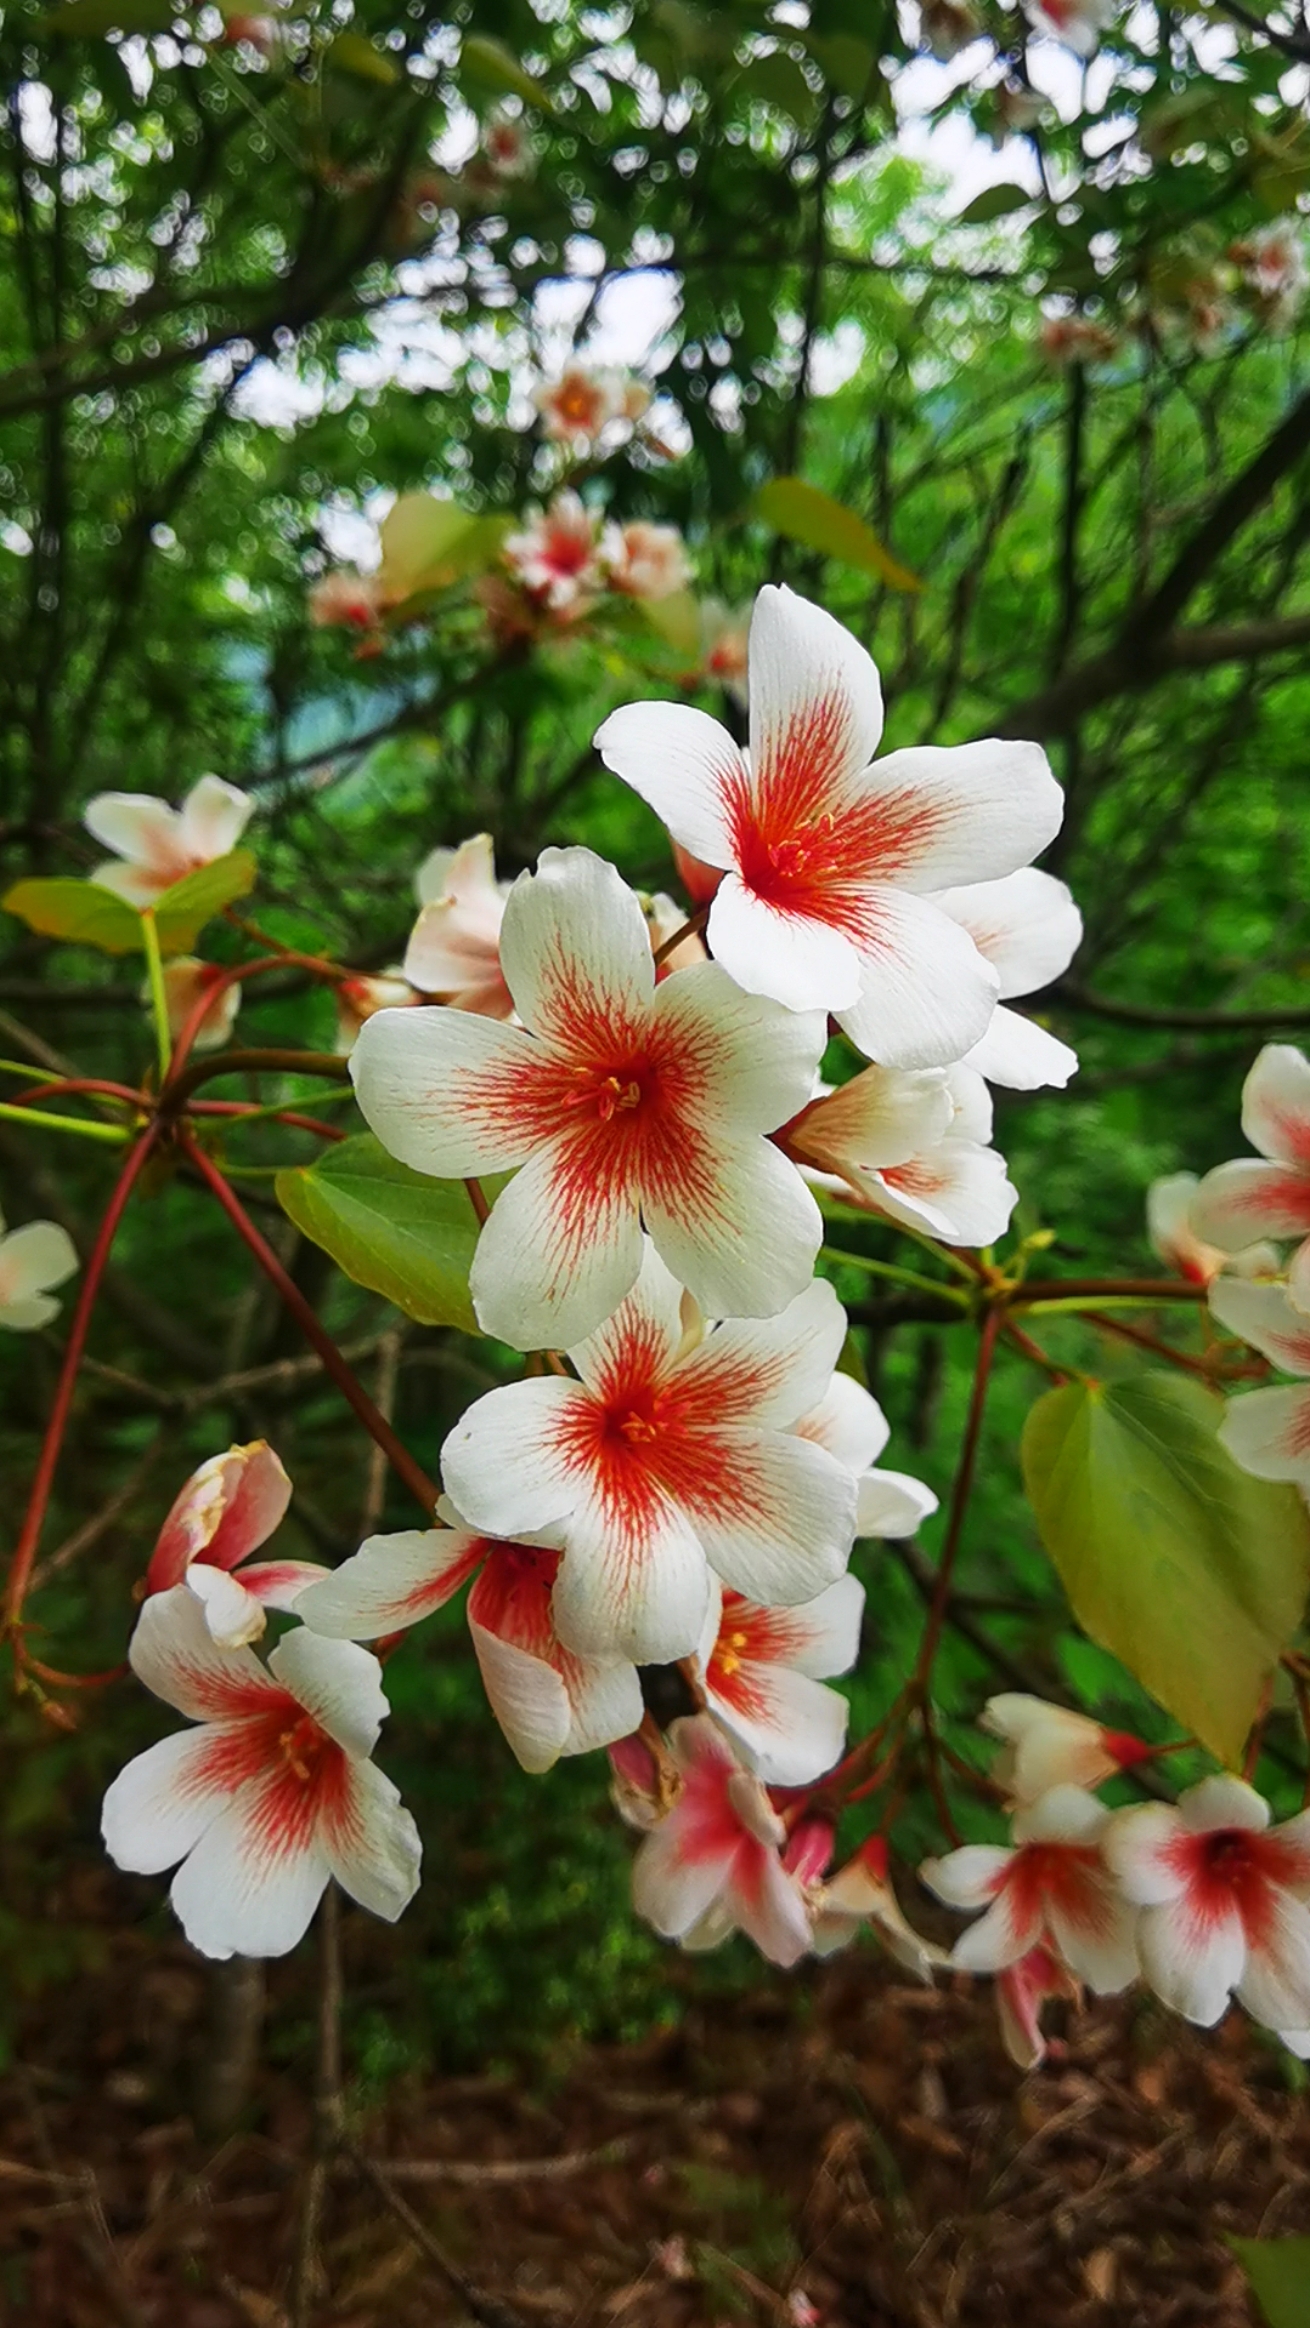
[994, 202]
[1279, 2272]
[804, 514]
[1190, 1571]
[351, 53]
[78, 911]
[778, 81]
[97, 17]
[676, 619]
[490, 65]
[84, 914]
[390, 1229]
[182, 911]
[422, 539]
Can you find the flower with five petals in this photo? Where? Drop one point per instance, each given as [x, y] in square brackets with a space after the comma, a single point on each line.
[1051, 1889]
[1252, 1197]
[713, 1865]
[155, 845]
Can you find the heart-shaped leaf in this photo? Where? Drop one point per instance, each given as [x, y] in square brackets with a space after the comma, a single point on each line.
[390, 1229]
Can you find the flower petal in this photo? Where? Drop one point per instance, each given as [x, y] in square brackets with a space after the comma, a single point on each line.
[635, 1592]
[160, 1805]
[891, 1504]
[173, 1653]
[256, 1493]
[774, 1371]
[682, 763]
[958, 1191]
[788, 1727]
[279, 1584]
[1141, 1849]
[1275, 1985]
[1027, 926]
[1263, 1316]
[788, 953]
[214, 816]
[778, 1521]
[926, 994]
[672, 1885]
[233, 1615]
[33, 1259]
[391, 1582]
[558, 1253]
[641, 1338]
[447, 1091]
[504, 1464]
[1193, 1962]
[1095, 1932]
[980, 810]
[1246, 1199]
[970, 1877]
[574, 950]
[750, 1245]
[815, 698]
[1021, 1056]
[1223, 1801]
[849, 1422]
[138, 826]
[754, 1062]
[769, 1907]
[1011, 1927]
[1276, 1104]
[370, 1841]
[337, 1682]
[253, 1881]
[1267, 1432]
[527, 1697]
[882, 1116]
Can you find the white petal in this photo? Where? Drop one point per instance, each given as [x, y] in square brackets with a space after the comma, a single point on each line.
[891, 1504]
[1021, 1056]
[1263, 1316]
[753, 1061]
[644, 1332]
[643, 1600]
[774, 1371]
[138, 826]
[391, 1582]
[1223, 1801]
[1267, 1432]
[824, 1634]
[789, 1728]
[958, 1191]
[371, 1843]
[1140, 1847]
[849, 1422]
[682, 762]
[1192, 1965]
[527, 1697]
[1011, 1926]
[251, 1885]
[815, 695]
[501, 1462]
[173, 1653]
[753, 1246]
[1064, 1814]
[233, 1615]
[34, 1259]
[770, 1909]
[978, 811]
[671, 1888]
[554, 1261]
[214, 816]
[1246, 1199]
[970, 1877]
[160, 1805]
[1027, 926]
[926, 995]
[972, 1102]
[882, 1116]
[30, 1314]
[780, 1525]
[337, 1682]
[1099, 1945]
[606, 1703]
[444, 1090]
[1276, 1104]
[795, 957]
[279, 1584]
[1275, 1986]
[137, 885]
[466, 874]
[574, 949]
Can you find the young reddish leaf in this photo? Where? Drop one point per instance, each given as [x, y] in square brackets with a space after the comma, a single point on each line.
[1190, 1571]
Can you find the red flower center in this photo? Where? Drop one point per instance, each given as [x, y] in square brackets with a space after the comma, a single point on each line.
[303, 1748]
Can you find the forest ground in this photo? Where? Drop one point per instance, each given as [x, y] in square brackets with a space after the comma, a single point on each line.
[841, 2149]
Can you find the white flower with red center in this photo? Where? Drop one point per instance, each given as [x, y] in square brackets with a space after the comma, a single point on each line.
[155, 845]
[507, 146]
[359, 999]
[829, 855]
[713, 1865]
[672, 1455]
[271, 1797]
[577, 407]
[1267, 1431]
[454, 950]
[1273, 268]
[725, 639]
[1052, 1889]
[1047, 1746]
[33, 1260]
[347, 600]
[1170, 1233]
[645, 561]
[913, 1144]
[860, 1894]
[1029, 929]
[849, 1422]
[1078, 23]
[186, 982]
[764, 1670]
[228, 1508]
[556, 556]
[548, 1702]
[1022, 1989]
[1075, 339]
[1223, 1899]
[1251, 1197]
[619, 1101]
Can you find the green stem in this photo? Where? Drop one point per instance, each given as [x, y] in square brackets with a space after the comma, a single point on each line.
[158, 996]
[1085, 1302]
[895, 1274]
[112, 1135]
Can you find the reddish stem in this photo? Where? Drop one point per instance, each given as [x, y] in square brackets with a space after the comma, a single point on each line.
[235, 976]
[959, 1500]
[20, 1567]
[691, 928]
[284, 1115]
[64, 1084]
[1030, 1349]
[1157, 1348]
[1149, 1288]
[478, 1202]
[315, 1332]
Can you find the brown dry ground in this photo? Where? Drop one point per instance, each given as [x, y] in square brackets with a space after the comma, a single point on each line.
[845, 2147]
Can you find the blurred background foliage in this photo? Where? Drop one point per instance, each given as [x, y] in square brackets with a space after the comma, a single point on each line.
[257, 282]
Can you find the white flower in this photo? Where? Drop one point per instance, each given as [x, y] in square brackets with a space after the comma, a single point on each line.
[556, 556]
[228, 1508]
[1051, 1890]
[579, 405]
[1222, 1895]
[1169, 1205]
[913, 1144]
[645, 561]
[621, 1100]
[764, 1670]
[273, 1794]
[1029, 929]
[155, 845]
[33, 1260]
[713, 1865]
[1267, 1431]
[830, 855]
[454, 949]
[1048, 1746]
[1239, 1201]
[672, 1456]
